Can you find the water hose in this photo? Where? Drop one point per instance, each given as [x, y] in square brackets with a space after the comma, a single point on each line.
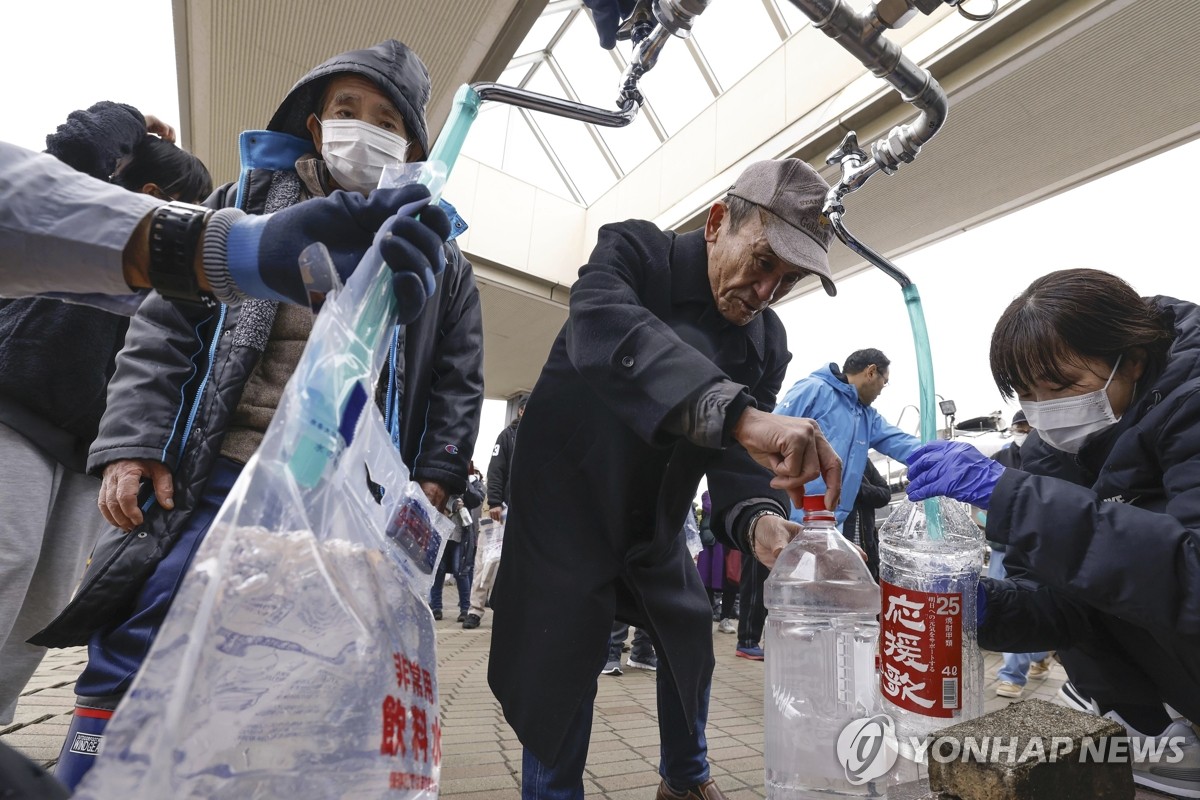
[916, 318]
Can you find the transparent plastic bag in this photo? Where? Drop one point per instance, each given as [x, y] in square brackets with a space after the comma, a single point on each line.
[298, 658]
[691, 533]
[493, 538]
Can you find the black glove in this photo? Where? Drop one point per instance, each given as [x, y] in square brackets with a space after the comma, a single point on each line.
[94, 141]
[607, 16]
[264, 251]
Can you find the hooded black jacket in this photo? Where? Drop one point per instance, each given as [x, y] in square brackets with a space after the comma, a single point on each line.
[498, 482]
[183, 371]
[1103, 547]
[56, 358]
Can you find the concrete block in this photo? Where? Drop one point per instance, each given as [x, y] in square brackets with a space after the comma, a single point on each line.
[1031, 750]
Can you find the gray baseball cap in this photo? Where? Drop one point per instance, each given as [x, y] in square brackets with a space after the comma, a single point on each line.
[791, 195]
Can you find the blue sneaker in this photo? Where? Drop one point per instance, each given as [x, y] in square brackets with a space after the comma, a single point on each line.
[753, 652]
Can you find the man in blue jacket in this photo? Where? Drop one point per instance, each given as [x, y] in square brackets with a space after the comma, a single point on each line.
[840, 402]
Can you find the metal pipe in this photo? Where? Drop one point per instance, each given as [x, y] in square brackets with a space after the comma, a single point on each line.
[892, 271]
[862, 36]
[523, 98]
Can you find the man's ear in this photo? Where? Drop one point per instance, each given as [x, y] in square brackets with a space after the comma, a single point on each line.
[716, 218]
[314, 130]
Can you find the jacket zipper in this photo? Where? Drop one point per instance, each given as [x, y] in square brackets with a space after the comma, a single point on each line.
[212, 356]
[244, 154]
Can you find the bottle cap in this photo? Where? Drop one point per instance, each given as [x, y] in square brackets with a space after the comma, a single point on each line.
[814, 502]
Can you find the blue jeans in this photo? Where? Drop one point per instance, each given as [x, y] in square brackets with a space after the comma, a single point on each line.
[683, 754]
[451, 562]
[1016, 665]
[116, 653]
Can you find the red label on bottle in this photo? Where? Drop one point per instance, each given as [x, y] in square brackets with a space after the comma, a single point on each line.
[920, 647]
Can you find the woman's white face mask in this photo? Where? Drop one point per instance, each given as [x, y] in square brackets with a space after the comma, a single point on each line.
[355, 152]
[1066, 422]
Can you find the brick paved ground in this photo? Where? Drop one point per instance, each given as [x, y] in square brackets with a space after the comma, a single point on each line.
[482, 755]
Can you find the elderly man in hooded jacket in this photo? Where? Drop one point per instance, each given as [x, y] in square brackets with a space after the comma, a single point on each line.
[196, 388]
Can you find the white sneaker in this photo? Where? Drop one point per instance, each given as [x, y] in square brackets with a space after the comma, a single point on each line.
[727, 626]
[1170, 761]
[1009, 689]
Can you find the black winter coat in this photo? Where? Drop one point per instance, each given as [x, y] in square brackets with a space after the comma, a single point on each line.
[601, 487]
[181, 375]
[500, 467]
[1103, 548]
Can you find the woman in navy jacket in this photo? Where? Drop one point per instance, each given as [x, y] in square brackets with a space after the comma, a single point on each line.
[1102, 521]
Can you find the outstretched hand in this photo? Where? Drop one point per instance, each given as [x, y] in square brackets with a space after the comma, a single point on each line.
[952, 469]
[794, 449]
[264, 250]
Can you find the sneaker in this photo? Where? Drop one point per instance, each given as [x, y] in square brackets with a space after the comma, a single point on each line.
[1166, 773]
[1009, 689]
[437, 613]
[727, 626]
[462, 617]
[645, 662]
[754, 653]
[612, 668]
[472, 621]
[1040, 669]
[1073, 698]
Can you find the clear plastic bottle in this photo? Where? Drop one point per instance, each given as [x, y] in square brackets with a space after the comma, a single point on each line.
[931, 670]
[821, 640]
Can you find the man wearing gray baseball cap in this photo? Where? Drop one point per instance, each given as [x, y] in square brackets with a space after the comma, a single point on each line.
[666, 370]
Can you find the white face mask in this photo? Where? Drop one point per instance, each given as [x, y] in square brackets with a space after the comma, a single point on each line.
[356, 152]
[1065, 423]
[1019, 438]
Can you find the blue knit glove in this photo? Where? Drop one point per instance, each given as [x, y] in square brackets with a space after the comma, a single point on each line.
[607, 15]
[263, 251]
[952, 469]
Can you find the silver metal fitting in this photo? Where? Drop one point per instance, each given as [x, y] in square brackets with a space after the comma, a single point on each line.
[894, 13]
[677, 16]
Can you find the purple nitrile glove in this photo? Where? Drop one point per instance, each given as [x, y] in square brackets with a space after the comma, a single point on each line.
[952, 469]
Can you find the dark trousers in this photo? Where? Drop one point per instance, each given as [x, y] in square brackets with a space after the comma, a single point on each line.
[1114, 683]
[753, 613]
[642, 649]
[683, 754]
[116, 653]
[452, 562]
[728, 596]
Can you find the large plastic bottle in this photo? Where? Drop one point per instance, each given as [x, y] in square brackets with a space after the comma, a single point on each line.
[821, 640]
[931, 670]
